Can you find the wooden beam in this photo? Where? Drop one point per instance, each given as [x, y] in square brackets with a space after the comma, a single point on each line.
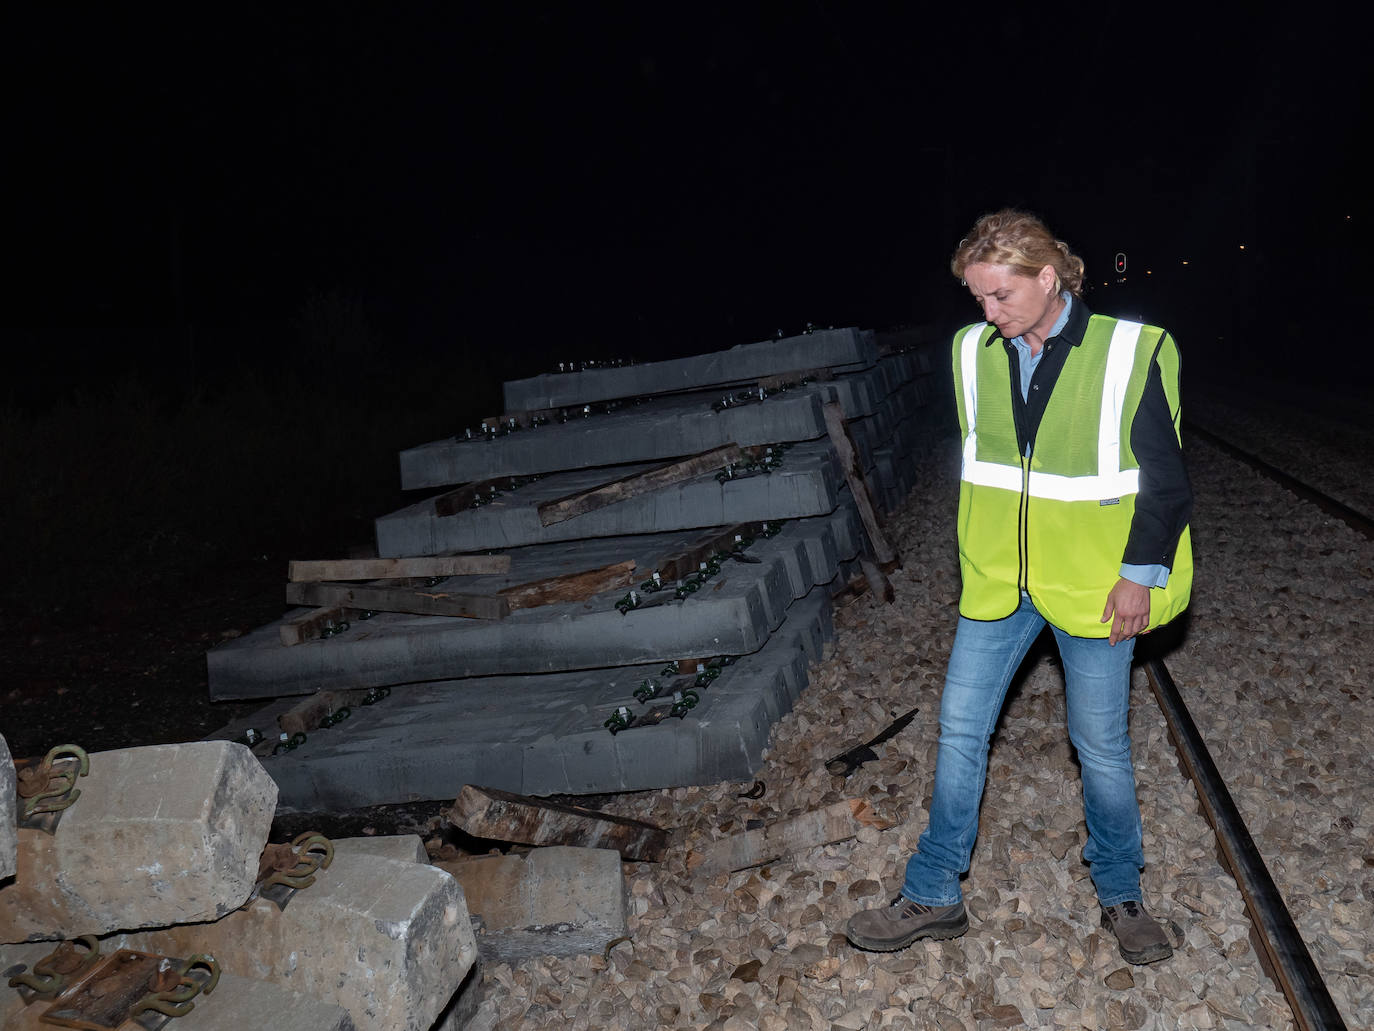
[838, 431]
[675, 567]
[304, 717]
[420, 602]
[570, 586]
[772, 384]
[522, 419]
[311, 626]
[457, 500]
[491, 813]
[460, 499]
[626, 487]
[383, 568]
[754, 848]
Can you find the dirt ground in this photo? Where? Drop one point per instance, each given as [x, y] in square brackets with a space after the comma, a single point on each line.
[129, 668]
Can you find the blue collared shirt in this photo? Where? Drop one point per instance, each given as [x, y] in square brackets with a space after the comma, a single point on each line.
[1153, 575]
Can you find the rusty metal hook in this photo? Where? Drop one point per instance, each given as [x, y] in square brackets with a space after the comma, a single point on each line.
[176, 1000]
[312, 852]
[51, 973]
[45, 790]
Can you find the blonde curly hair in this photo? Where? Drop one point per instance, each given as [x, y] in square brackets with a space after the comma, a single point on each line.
[1022, 243]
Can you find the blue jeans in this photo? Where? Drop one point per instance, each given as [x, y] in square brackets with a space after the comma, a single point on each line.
[1097, 683]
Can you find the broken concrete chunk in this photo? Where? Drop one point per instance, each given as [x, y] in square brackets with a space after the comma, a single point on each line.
[406, 847]
[160, 835]
[389, 940]
[9, 841]
[491, 813]
[753, 848]
[555, 901]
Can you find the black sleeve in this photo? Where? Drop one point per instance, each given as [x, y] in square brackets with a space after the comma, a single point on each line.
[1165, 501]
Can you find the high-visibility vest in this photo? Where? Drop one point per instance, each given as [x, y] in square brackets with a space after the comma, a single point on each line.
[1055, 523]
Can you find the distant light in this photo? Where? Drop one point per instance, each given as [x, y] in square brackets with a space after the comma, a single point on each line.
[1242, 246]
[1185, 263]
[1147, 272]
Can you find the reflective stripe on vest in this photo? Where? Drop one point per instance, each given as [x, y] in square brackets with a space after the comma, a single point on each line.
[1111, 480]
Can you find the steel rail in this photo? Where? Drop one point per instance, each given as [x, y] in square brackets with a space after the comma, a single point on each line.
[1286, 953]
[1357, 521]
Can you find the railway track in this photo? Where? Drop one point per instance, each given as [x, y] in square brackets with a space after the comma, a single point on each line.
[1281, 949]
[1283, 953]
[1357, 521]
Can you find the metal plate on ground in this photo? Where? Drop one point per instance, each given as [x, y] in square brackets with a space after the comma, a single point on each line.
[103, 998]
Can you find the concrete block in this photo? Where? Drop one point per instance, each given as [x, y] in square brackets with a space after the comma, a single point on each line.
[554, 901]
[671, 428]
[743, 363]
[545, 734]
[473, 1006]
[388, 940]
[236, 1004]
[407, 847]
[733, 616]
[161, 834]
[9, 839]
[241, 1004]
[665, 428]
[806, 485]
[859, 394]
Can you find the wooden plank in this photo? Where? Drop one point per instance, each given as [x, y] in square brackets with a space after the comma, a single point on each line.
[772, 384]
[570, 586]
[459, 499]
[383, 568]
[676, 567]
[420, 602]
[626, 487]
[491, 813]
[838, 431]
[310, 627]
[524, 420]
[754, 848]
[100, 999]
[304, 717]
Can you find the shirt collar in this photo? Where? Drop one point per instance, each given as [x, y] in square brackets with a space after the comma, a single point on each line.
[1071, 324]
[1075, 321]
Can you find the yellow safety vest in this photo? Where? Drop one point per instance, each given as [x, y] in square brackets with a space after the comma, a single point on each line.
[1055, 524]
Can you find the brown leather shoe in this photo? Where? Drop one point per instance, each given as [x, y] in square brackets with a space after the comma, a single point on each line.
[1139, 936]
[897, 925]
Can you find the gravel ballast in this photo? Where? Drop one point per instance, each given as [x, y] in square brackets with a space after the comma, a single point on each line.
[1273, 662]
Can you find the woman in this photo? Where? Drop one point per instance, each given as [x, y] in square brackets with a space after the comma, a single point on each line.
[1073, 512]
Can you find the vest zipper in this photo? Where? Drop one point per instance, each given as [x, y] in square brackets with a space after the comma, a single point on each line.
[1022, 533]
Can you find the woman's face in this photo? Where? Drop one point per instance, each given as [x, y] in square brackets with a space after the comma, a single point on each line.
[1016, 304]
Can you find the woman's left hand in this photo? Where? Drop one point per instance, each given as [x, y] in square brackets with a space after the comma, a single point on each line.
[1128, 610]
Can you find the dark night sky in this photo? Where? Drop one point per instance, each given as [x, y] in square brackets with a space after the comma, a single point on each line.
[586, 180]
